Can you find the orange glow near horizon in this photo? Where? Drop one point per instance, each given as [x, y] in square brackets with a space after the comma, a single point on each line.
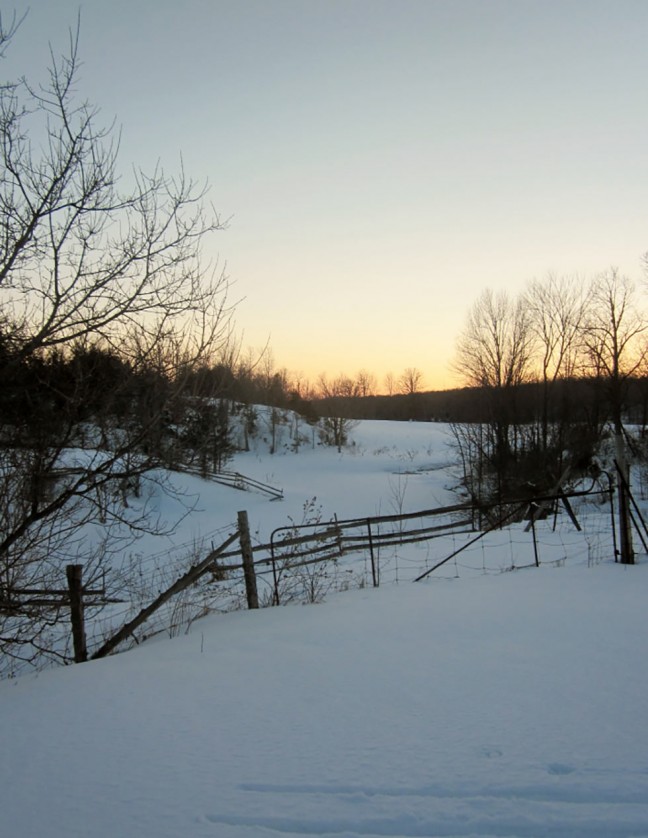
[379, 164]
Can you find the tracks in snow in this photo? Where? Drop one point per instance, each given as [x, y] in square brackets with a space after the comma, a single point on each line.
[570, 804]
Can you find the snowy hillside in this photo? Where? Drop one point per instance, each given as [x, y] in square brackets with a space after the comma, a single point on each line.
[474, 703]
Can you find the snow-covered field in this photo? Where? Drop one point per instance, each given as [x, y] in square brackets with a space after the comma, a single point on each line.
[474, 703]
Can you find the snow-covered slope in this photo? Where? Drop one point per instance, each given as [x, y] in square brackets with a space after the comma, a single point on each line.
[471, 704]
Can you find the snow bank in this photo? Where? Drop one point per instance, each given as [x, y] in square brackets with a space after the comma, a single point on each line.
[475, 703]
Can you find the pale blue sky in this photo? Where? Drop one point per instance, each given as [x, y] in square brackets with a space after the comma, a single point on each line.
[383, 161]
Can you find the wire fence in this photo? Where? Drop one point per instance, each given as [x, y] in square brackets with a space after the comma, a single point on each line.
[304, 563]
[141, 578]
[441, 542]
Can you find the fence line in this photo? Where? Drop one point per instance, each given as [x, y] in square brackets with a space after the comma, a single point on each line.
[306, 557]
[235, 480]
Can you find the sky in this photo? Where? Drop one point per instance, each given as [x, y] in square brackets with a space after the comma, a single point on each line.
[380, 162]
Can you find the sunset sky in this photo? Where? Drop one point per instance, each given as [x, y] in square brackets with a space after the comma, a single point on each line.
[381, 161]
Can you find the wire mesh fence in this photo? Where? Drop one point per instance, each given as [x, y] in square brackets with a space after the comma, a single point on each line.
[142, 578]
[306, 562]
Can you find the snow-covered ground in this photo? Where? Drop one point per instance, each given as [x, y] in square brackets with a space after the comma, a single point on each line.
[386, 464]
[474, 703]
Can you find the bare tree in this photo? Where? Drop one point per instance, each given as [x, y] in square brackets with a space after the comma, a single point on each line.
[7, 32]
[410, 381]
[337, 396]
[613, 333]
[83, 261]
[494, 348]
[494, 353]
[556, 309]
[615, 351]
[366, 382]
[105, 261]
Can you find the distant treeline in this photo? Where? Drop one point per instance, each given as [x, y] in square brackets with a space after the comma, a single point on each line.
[579, 399]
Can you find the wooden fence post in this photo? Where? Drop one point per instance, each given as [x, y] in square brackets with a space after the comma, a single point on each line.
[374, 575]
[248, 560]
[75, 584]
[533, 508]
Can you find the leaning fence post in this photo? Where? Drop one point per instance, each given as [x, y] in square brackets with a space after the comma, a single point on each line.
[374, 575]
[248, 560]
[534, 509]
[74, 574]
